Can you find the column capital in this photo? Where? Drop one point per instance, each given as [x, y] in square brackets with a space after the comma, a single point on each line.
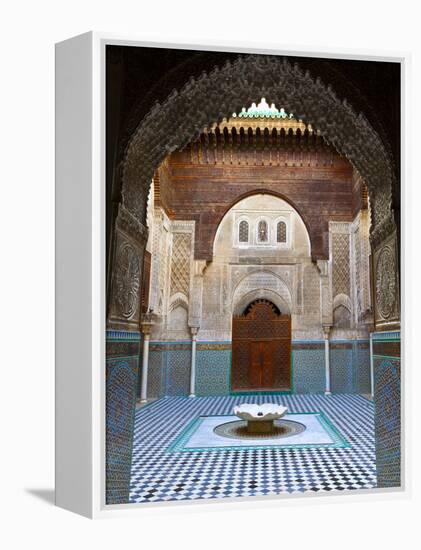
[147, 321]
[199, 267]
[146, 327]
[194, 329]
[323, 267]
[326, 331]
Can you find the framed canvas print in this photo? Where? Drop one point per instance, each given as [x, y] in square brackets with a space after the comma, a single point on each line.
[228, 273]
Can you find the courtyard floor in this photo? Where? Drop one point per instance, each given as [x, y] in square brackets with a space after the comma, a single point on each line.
[175, 458]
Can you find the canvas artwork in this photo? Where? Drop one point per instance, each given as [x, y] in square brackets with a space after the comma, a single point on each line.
[252, 275]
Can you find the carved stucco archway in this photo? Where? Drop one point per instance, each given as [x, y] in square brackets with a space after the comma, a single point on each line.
[210, 98]
[262, 283]
[242, 301]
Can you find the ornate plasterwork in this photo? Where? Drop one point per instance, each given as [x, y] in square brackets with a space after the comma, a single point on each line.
[386, 284]
[196, 293]
[357, 268]
[342, 300]
[341, 264]
[178, 300]
[386, 291]
[214, 96]
[343, 228]
[210, 98]
[242, 301]
[160, 262]
[381, 228]
[130, 241]
[127, 278]
[180, 263]
[360, 250]
[265, 281]
[349, 253]
[130, 225]
[366, 299]
[311, 293]
[325, 292]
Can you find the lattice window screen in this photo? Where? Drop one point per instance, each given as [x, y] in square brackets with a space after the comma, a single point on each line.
[281, 232]
[243, 232]
[262, 231]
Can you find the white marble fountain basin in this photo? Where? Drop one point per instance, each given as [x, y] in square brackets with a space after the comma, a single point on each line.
[266, 411]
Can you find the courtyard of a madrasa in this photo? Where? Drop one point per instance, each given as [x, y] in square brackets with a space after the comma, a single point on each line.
[253, 323]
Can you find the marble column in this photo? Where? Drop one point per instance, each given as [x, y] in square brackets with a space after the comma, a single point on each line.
[326, 331]
[146, 329]
[371, 366]
[193, 331]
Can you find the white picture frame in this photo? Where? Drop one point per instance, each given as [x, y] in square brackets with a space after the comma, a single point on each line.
[80, 266]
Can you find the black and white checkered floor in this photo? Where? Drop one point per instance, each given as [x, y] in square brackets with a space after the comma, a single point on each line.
[160, 475]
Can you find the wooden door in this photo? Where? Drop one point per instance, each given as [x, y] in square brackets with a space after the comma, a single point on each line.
[255, 364]
[261, 364]
[261, 349]
[267, 364]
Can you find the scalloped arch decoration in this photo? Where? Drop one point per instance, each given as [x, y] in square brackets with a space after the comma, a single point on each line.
[263, 284]
[178, 300]
[342, 300]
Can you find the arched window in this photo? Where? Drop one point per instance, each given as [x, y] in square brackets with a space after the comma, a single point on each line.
[262, 231]
[243, 232]
[281, 232]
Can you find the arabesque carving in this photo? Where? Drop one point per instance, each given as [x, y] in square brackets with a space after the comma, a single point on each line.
[215, 96]
[127, 280]
[386, 284]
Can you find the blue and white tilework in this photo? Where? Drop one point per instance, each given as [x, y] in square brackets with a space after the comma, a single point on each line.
[309, 371]
[342, 371]
[213, 372]
[160, 475]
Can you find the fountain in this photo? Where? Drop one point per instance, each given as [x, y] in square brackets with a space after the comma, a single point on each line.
[260, 418]
[259, 422]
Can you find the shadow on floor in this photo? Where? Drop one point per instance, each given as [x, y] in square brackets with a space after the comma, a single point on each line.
[47, 495]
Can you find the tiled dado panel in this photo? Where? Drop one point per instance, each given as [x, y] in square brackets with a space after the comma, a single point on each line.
[156, 374]
[362, 379]
[122, 362]
[387, 401]
[308, 361]
[213, 369]
[178, 372]
[349, 367]
[169, 369]
[341, 368]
